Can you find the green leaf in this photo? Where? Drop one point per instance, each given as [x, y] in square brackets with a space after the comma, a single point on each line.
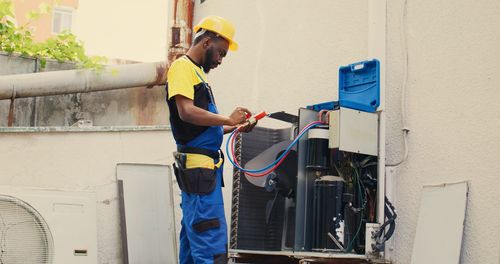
[6, 9]
[43, 63]
[62, 47]
[33, 15]
[44, 8]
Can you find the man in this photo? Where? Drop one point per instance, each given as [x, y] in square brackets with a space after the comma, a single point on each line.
[198, 130]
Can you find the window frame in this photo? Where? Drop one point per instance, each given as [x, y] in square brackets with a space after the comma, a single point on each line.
[62, 10]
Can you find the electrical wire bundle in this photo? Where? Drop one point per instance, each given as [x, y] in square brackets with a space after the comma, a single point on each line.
[361, 192]
[381, 238]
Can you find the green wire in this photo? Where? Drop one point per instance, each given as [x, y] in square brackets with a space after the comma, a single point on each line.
[361, 199]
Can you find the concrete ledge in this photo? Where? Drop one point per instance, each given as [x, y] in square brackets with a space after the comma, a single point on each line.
[83, 129]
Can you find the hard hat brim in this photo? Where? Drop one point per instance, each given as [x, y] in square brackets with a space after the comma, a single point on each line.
[233, 46]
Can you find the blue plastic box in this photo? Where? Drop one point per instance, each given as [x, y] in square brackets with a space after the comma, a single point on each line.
[359, 85]
[332, 105]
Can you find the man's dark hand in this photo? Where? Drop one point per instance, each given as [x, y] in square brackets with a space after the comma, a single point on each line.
[247, 127]
[238, 116]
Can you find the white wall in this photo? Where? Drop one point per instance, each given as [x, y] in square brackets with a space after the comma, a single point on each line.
[124, 29]
[453, 114]
[83, 161]
[289, 55]
[290, 51]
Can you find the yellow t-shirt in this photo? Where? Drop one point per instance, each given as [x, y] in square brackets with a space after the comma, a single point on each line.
[187, 79]
[182, 78]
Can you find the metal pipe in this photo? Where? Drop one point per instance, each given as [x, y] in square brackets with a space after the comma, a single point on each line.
[377, 49]
[180, 26]
[112, 77]
[82, 81]
[377, 38]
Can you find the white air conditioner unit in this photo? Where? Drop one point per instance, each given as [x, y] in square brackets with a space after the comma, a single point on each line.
[47, 226]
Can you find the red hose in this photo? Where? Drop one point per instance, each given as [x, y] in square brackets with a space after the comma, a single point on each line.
[261, 174]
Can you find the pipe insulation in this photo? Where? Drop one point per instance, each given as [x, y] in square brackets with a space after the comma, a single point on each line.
[83, 80]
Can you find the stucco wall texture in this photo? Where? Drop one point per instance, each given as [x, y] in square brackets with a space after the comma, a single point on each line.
[289, 56]
[453, 114]
[289, 51]
[83, 161]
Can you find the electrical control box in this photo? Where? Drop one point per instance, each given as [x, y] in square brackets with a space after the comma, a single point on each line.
[353, 131]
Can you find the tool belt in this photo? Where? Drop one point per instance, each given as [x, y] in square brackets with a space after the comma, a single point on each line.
[195, 169]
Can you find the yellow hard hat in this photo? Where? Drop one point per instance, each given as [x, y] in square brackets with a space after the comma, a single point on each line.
[219, 26]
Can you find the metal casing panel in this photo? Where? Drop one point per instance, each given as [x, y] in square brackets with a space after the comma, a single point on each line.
[440, 224]
[334, 129]
[305, 185]
[148, 213]
[369, 239]
[354, 131]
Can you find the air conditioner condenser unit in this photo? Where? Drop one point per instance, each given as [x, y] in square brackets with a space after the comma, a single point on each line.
[47, 226]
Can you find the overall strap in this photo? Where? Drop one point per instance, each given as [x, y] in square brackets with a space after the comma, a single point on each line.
[194, 150]
[208, 87]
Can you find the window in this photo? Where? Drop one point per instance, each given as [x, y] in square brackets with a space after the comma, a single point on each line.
[62, 18]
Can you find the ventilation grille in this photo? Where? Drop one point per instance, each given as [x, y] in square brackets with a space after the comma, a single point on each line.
[249, 230]
[24, 236]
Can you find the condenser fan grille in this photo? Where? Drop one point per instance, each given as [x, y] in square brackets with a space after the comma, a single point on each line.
[249, 230]
[25, 238]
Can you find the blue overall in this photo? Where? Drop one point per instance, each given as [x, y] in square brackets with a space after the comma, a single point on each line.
[208, 246]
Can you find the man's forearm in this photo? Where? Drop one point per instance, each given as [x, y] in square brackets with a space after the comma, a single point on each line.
[190, 113]
[201, 117]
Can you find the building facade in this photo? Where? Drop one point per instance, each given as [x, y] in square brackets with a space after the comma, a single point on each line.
[59, 17]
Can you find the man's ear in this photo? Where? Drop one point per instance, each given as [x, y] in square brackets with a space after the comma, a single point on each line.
[206, 42]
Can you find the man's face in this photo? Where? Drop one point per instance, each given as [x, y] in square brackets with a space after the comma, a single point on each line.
[214, 53]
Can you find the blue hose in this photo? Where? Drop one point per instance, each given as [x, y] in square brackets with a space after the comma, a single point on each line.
[295, 141]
